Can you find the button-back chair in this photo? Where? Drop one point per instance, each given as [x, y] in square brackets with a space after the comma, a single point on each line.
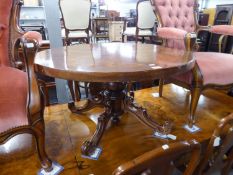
[145, 24]
[178, 24]
[218, 157]
[160, 161]
[21, 107]
[76, 20]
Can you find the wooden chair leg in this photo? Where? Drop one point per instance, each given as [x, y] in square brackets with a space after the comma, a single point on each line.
[161, 82]
[77, 91]
[86, 89]
[143, 39]
[195, 95]
[39, 133]
[71, 87]
[151, 39]
[123, 38]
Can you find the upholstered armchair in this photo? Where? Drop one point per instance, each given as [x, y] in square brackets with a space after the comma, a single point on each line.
[76, 20]
[178, 26]
[145, 22]
[21, 105]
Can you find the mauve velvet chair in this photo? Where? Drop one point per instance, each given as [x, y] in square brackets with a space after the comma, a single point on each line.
[21, 107]
[178, 25]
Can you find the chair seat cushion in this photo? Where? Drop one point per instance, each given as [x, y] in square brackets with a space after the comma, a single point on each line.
[171, 33]
[216, 68]
[13, 98]
[76, 34]
[131, 31]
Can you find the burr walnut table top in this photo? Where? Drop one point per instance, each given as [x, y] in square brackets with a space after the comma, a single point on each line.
[113, 62]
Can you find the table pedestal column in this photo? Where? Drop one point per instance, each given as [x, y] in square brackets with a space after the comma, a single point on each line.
[113, 96]
[109, 95]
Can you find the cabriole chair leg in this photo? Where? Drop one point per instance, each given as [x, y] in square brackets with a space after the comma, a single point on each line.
[195, 95]
[161, 82]
[39, 134]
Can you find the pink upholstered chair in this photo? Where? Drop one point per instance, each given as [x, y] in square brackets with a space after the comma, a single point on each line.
[21, 107]
[178, 24]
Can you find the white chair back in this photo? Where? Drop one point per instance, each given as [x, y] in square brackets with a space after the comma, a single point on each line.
[146, 16]
[75, 13]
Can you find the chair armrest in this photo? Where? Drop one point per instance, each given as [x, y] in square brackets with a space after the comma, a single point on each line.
[30, 47]
[33, 35]
[171, 33]
[222, 29]
[2, 27]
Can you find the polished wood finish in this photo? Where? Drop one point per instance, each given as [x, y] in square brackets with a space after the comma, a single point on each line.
[219, 153]
[113, 62]
[99, 63]
[65, 133]
[35, 105]
[161, 160]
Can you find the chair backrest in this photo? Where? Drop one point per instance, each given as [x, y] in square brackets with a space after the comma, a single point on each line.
[160, 161]
[219, 153]
[145, 15]
[179, 14]
[12, 38]
[10, 30]
[75, 14]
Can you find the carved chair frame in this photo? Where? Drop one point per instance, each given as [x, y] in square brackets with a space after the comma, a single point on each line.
[35, 104]
[146, 163]
[219, 155]
[137, 27]
[197, 86]
[67, 31]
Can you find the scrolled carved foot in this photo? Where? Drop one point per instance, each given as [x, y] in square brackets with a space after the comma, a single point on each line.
[166, 127]
[87, 148]
[141, 114]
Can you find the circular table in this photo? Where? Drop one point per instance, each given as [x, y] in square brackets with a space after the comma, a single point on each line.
[111, 67]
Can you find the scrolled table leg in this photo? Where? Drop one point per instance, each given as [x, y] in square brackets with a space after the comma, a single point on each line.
[96, 99]
[141, 114]
[112, 101]
[87, 106]
[89, 147]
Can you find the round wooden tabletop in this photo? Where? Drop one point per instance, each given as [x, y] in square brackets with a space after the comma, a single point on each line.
[113, 62]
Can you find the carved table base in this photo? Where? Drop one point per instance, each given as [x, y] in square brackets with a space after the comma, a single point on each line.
[115, 99]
